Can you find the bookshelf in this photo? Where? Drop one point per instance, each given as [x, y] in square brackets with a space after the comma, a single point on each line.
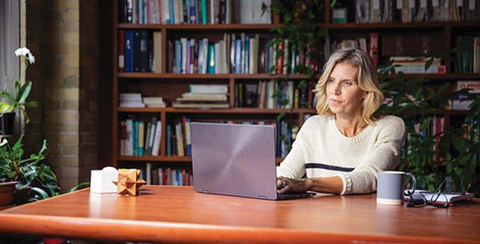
[170, 85]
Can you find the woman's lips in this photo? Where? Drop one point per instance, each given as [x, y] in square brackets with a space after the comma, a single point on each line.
[335, 102]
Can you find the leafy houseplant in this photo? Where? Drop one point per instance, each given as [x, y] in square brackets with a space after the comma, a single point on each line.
[32, 177]
[412, 100]
[433, 158]
[17, 100]
[300, 27]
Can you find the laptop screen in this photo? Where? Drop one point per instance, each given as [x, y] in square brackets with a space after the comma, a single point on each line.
[234, 159]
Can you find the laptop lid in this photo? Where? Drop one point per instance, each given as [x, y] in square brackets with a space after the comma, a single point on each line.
[234, 159]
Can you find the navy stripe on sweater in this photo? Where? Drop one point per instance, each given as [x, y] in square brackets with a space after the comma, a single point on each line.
[327, 167]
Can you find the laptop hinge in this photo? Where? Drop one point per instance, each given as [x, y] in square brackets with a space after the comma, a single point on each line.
[262, 197]
[206, 191]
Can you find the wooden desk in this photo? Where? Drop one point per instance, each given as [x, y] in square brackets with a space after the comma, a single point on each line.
[178, 214]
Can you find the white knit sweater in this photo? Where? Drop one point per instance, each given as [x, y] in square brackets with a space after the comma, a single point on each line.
[321, 150]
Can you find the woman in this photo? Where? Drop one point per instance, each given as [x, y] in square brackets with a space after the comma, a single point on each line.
[341, 149]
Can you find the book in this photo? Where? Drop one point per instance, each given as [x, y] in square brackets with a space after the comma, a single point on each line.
[197, 104]
[188, 140]
[157, 138]
[202, 97]
[129, 140]
[129, 36]
[211, 59]
[141, 137]
[203, 88]
[121, 51]
[157, 52]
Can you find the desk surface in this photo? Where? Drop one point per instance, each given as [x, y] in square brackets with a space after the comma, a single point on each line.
[178, 214]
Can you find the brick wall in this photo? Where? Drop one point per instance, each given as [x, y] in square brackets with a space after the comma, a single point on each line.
[88, 89]
[64, 33]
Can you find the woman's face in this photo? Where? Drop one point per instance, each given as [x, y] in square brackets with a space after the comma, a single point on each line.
[344, 96]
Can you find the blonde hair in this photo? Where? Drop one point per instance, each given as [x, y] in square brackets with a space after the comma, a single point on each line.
[367, 81]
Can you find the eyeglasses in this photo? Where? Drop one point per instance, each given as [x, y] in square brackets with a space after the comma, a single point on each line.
[420, 199]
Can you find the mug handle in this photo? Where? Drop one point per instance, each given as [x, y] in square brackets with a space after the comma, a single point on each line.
[414, 183]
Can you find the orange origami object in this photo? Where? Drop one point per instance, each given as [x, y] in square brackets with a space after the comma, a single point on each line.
[129, 181]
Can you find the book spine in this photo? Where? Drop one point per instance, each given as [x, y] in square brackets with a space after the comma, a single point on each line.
[141, 137]
[247, 55]
[211, 59]
[152, 135]
[204, 12]
[238, 56]
[121, 51]
[129, 143]
[178, 56]
[157, 138]
[147, 139]
[169, 140]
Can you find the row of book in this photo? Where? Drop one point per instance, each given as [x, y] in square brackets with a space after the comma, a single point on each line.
[140, 51]
[203, 96]
[238, 54]
[382, 11]
[135, 100]
[179, 136]
[140, 138]
[433, 128]
[271, 94]
[235, 53]
[467, 58]
[416, 65]
[167, 176]
[462, 102]
[174, 12]
[369, 46]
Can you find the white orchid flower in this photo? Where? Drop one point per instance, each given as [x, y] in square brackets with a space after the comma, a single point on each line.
[22, 51]
[4, 141]
[26, 53]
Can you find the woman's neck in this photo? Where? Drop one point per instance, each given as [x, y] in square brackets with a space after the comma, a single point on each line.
[349, 126]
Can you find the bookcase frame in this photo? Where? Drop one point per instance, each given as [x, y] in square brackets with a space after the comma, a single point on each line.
[163, 114]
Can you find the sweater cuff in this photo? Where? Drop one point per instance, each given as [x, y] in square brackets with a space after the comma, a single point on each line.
[347, 184]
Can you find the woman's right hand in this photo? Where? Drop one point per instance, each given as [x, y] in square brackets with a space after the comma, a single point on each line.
[290, 185]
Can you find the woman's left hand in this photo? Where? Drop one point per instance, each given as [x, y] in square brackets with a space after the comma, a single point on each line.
[291, 185]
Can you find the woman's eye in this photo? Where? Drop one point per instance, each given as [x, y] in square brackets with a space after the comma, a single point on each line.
[329, 80]
[348, 83]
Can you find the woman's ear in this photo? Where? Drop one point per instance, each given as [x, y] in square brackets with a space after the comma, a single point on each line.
[365, 95]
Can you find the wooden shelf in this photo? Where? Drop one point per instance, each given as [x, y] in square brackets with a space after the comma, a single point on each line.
[253, 27]
[146, 75]
[209, 27]
[450, 76]
[416, 25]
[166, 159]
[136, 75]
[217, 111]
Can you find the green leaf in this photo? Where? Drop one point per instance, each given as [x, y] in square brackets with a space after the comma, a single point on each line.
[429, 63]
[24, 92]
[5, 107]
[79, 186]
[40, 192]
[7, 95]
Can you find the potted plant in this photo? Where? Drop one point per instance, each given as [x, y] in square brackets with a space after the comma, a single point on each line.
[28, 178]
[17, 101]
[33, 178]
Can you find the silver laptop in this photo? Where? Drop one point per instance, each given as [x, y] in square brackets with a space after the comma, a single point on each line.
[236, 160]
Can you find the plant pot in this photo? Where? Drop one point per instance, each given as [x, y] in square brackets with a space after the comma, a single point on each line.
[7, 192]
[7, 123]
